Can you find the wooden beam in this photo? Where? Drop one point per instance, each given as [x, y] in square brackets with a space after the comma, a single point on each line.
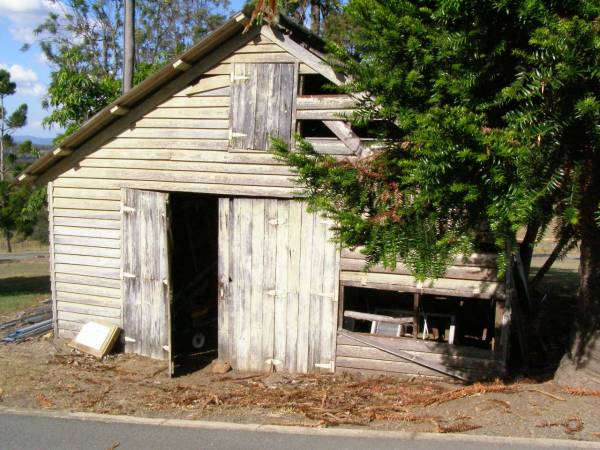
[62, 151]
[323, 114]
[345, 134]
[304, 55]
[26, 177]
[415, 318]
[119, 110]
[377, 317]
[181, 65]
[334, 102]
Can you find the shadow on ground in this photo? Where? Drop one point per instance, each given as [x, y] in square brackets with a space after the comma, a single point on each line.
[25, 285]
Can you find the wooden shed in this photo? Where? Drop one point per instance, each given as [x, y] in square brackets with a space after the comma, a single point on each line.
[168, 214]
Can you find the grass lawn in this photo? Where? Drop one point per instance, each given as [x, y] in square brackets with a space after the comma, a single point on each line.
[23, 284]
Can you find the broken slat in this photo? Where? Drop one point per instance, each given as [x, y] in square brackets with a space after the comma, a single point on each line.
[334, 102]
[377, 317]
[406, 356]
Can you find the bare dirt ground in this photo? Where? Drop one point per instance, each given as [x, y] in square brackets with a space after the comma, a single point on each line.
[46, 373]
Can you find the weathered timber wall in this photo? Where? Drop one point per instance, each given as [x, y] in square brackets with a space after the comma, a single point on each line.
[474, 276]
[179, 144]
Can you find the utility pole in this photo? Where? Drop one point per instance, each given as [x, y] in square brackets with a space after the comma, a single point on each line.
[129, 45]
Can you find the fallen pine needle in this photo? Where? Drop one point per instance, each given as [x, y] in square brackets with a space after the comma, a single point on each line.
[468, 391]
[555, 397]
[571, 425]
[456, 428]
[582, 392]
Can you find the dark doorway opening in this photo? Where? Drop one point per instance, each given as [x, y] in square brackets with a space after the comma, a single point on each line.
[194, 279]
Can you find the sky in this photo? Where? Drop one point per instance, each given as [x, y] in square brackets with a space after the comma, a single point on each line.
[29, 69]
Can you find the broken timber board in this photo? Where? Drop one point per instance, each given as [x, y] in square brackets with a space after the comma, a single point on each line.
[406, 356]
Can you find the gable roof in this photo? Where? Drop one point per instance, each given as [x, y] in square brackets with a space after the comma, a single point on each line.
[122, 105]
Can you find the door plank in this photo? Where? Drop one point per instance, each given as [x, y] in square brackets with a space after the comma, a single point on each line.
[145, 273]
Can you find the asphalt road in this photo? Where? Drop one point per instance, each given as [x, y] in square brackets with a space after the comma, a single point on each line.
[22, 431]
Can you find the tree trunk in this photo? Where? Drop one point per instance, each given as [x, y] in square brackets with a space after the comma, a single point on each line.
[581, 365]
[129, 45]
[564, 240]
[7, 236]
[526, 247]
[315, 17]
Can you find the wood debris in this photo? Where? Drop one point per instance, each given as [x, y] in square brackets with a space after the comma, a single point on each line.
[457, 427]
[475, 389]
[570, 425]
[548, 394]
[582, 392]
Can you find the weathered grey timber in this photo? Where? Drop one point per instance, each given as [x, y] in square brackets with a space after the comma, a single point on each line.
[145, 273]
[277, 294]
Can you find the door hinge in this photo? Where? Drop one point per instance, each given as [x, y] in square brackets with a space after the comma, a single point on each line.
[128, 275]
[328, 366]
[129, 339]
[324, 295]
[272, 361]
[238, 77]
[274, 293]
[127, 209]
[166, 348]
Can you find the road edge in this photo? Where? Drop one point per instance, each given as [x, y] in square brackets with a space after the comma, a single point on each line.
[284, 429]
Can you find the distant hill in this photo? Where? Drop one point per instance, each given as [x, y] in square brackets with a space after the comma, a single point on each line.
[36, 140]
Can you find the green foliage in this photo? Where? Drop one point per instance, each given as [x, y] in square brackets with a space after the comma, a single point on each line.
[18, 118]
[76, 92]
[19, 208]
[8, 123]
[19, 204]
[493, 113]
[7, 87]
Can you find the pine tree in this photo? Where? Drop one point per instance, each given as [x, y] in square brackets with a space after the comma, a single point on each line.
[8, 123]
[487, 113]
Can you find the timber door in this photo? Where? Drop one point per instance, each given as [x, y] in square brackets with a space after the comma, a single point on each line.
[278, 280]
[145, 277]
[261, 104]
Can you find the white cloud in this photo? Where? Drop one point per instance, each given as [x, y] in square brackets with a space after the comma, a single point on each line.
[26, 79]
[34, 90]
[19, 73]
[25, 15]
[41, 58]
[31, 7]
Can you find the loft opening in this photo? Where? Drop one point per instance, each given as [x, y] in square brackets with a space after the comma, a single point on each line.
[315, 84]
[307, 128]
[451, 320]
[194, 278]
